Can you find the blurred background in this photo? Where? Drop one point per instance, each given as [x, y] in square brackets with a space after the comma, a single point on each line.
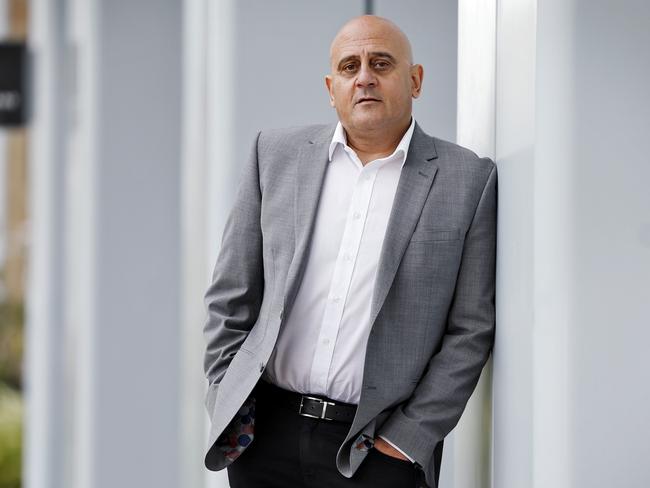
[123, 127]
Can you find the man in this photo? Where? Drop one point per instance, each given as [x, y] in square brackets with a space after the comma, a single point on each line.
[352, 303]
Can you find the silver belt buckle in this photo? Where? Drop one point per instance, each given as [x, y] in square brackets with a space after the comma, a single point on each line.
[319, 400]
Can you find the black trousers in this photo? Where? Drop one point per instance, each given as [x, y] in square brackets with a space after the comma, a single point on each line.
[292, 451]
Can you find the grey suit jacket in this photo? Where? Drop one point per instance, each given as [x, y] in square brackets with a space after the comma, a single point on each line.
[432, 312]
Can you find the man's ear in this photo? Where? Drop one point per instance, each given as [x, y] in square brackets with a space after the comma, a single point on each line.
[417, 75]
[328, 84]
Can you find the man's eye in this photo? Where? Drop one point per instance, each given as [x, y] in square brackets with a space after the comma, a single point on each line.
[349, 67]
[381, 64]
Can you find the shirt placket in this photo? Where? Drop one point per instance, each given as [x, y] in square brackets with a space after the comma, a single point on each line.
[342, 277]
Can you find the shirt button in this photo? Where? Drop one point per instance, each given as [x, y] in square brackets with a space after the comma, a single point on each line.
[347, 256]
[336, 299]
[326, 341]
[356, 215]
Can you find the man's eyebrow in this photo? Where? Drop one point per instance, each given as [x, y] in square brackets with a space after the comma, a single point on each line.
[374, 54]
[380, 54]
[346, 59]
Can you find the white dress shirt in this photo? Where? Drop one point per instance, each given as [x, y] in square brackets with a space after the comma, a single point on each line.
[322, 344]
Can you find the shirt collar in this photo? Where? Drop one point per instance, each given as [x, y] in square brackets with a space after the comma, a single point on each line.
[339, 137]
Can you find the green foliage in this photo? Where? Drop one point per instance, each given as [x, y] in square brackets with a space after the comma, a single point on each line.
[11, 344]
[11, 404]
[11, 436]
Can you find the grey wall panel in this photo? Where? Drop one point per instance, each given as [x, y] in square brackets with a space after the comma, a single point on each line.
[138, 288]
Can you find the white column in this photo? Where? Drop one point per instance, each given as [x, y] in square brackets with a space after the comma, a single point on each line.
[514, 351]
[219, 176]
[469, 463]
[47, 435]
[81, 138]
[554, 240]
[194, 237]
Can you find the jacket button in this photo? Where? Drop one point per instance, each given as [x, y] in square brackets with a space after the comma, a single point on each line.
[261, 367]
[281, 314]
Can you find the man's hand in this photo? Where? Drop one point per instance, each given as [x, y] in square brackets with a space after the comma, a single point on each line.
[384, 447]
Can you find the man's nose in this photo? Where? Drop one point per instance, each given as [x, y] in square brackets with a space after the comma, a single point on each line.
[366, 77]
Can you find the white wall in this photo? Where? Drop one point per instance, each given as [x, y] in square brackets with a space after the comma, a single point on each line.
[571, 385]
[608, 366]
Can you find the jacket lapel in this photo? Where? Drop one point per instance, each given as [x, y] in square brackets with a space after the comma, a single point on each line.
[414, 184]
[313, 158]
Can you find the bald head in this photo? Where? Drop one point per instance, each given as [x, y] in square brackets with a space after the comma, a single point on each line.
[372, 79]
[367, 28]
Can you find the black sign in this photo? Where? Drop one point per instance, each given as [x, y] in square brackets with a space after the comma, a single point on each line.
[13, 83]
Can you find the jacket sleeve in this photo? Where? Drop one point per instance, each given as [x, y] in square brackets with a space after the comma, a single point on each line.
[443, 391]
[234, 297]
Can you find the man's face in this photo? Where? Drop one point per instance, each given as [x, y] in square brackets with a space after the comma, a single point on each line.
[372, 82]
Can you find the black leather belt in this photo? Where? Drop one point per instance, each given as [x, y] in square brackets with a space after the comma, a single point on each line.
[310, 405]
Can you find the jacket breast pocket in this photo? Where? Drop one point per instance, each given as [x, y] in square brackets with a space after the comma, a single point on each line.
[428, 234]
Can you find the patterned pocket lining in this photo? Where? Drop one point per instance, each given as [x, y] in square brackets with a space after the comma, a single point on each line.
[240, 431]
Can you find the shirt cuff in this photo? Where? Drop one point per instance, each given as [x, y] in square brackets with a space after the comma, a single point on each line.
[409, 457]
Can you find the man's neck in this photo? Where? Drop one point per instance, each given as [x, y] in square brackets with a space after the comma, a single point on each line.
[371, 145]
